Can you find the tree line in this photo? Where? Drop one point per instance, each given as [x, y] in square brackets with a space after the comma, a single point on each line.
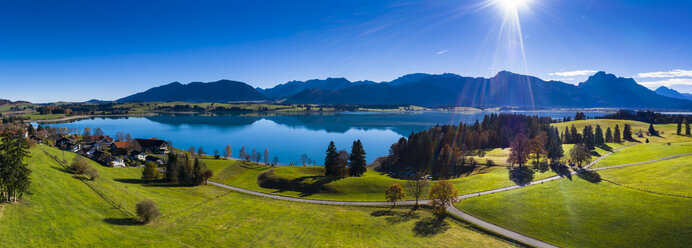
[441, 150]
[646, 116]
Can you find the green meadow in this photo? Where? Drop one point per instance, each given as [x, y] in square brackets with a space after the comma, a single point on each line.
[577, 213]
[64, 211]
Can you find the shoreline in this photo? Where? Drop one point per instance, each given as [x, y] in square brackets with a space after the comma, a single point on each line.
[81, 117]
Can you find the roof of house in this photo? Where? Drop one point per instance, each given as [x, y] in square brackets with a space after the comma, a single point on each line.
[122, 144]
[151, 142]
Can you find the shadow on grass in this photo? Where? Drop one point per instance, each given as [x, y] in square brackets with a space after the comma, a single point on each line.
[430, 226]
[61, 169]
[606, 147]
[521, 175]
[394, 216]
[154, 183]
[318, 184]
[122, 221]
[590, 176]
[562, 171]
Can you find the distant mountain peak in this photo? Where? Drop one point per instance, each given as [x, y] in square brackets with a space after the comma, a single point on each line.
[665, 91]
[219, 91]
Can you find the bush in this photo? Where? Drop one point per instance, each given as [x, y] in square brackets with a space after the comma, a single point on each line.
[92, 173]
[147, 211]
[79, 165]
[489, 162]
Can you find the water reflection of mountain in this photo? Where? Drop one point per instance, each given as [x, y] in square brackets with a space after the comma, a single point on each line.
[197, 120]
[402, 123]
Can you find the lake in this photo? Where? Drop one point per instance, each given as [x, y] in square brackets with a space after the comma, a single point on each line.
[288, 136]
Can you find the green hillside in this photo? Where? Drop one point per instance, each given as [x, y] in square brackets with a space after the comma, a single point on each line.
[66, 212]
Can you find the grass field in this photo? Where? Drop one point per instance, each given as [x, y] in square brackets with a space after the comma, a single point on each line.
[581, 214]
[644, 152]
[369, 187]
[66, 212]
[672, 176]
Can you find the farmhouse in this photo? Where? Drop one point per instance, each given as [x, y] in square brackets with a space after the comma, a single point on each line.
[152, 145]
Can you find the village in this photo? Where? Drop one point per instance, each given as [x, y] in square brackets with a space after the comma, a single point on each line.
[119, 152]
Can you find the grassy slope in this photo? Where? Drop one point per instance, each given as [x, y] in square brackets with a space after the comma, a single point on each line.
[644, 152]
[66, 212]
[671, 176]
[581, 214]
[369, 187]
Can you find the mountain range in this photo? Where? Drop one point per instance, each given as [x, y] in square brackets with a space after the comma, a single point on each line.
[503, 89]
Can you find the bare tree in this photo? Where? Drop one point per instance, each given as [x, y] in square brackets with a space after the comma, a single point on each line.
[200, 151]
[254, 155]
[266, 156]
[417, 187]
[304, 159]
[228, 151]
[191, 150]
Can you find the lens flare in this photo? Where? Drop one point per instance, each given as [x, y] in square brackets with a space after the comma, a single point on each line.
[510, 40]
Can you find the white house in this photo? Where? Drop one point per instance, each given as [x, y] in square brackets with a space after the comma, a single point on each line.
[118, 163]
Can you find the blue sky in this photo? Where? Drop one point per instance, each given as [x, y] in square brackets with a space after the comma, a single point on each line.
[79, 50]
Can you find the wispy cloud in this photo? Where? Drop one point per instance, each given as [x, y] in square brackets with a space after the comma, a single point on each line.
[573, 73]
[666, 74]
[561, 79]
[441, 52]
[668, 82]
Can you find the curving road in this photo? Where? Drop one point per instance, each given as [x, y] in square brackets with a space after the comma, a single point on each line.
[451, 209]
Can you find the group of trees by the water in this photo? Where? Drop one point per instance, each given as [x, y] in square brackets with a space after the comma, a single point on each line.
[647, 116]
[441, 151]
[342, 164]
[14, 173]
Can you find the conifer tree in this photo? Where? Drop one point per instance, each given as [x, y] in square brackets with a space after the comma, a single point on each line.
[330, 161]
[616, 135]
[555, 151]
[627, 132]
[608, 136]
[598, 136]
[14, 174]
[588, 137]
[679, 131]
[687, 126]
[574, 136]
[652, 131]
[357, 159]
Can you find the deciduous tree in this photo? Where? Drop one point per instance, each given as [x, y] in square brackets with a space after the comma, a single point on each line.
[147, 210]
[443, 194]
[519, 150]
[150, 172]
[579, 154]
[417, 186]
[394, 193]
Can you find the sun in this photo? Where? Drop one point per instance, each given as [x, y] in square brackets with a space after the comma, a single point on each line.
[511, 6]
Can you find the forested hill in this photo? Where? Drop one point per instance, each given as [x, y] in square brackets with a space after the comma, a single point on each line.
[219, 91]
